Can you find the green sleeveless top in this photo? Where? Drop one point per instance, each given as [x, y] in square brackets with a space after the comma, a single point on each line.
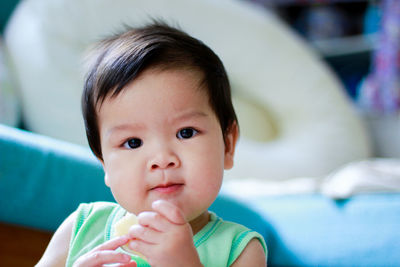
[219, 243]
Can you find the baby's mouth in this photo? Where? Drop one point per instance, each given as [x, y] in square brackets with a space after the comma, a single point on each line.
[168, 188]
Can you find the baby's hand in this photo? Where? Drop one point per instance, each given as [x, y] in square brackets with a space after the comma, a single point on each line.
[164, 237]
[106, 254]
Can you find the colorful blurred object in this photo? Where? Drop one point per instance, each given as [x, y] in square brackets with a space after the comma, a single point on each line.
[380, 91]
[319, 22]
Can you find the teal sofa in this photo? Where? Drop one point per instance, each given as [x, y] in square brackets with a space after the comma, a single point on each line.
[42, 180]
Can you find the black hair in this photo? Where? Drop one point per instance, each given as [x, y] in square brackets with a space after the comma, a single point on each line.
[119, 59]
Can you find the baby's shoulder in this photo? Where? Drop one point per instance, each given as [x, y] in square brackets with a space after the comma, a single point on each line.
[224, 240]
[57, 251]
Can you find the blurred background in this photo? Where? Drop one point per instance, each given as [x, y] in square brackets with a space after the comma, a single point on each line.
[343, 32]
[316, 87]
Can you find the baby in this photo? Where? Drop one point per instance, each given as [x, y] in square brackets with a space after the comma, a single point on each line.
[158, 115]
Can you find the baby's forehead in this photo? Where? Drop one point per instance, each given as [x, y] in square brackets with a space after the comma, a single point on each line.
[194, 75]
[157, 97]
[190, 71]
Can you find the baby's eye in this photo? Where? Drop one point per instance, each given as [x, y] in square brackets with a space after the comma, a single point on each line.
[186, 133]
[133, 143]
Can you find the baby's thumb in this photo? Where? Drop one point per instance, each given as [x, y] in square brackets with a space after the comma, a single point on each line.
[169, 211]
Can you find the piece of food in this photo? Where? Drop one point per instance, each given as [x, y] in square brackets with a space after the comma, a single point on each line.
[122, 228]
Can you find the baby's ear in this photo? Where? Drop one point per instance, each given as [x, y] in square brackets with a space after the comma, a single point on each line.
[106, 181]
[105, 173]
[230, 144]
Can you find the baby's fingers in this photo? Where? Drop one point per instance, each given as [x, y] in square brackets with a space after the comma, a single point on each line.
[169, 211]
[106, 254]
[99, 258]
[113, 244]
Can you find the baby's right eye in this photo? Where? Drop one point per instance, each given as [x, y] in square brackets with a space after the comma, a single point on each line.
[133, 143]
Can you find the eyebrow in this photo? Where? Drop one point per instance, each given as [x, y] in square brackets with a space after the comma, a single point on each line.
[124, 127]
[136, 126]
[189, 115]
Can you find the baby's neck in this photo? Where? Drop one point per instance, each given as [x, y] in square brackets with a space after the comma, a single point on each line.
[198, 223]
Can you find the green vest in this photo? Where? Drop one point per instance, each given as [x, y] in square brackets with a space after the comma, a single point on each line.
[219, 243]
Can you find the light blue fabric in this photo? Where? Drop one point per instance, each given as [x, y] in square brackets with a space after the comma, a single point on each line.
[43, 180]
[313, 230]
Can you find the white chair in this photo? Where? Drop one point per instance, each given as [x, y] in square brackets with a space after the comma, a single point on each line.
[295, 117]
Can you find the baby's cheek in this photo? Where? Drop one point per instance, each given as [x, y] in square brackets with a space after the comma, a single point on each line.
[208, 187]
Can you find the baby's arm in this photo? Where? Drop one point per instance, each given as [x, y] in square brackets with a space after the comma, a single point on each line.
[252, 255]
[57, 251]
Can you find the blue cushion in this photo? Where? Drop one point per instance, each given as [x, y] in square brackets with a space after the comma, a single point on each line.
[42, 180]
[6, 9]
[314, 230]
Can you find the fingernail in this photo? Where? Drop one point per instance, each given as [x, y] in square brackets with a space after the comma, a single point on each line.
[131, 244]
[157, 202]
[126, 258]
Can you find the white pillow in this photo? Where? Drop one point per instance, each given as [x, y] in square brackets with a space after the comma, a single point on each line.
[295, 118]
[9, 106]
[377, 175]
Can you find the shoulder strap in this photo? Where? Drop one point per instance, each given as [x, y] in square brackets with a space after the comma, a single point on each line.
[89, 228]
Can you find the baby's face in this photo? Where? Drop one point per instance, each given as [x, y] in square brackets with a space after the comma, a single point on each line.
[161, 140]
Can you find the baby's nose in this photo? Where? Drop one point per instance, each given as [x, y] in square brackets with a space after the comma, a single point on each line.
[164, 160]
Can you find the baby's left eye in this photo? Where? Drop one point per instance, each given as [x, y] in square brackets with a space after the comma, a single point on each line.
[186, 133]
